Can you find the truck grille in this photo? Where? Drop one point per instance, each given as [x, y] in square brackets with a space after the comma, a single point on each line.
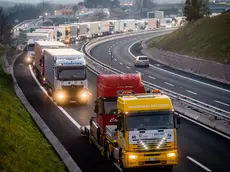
[72, 91]
[152, 144]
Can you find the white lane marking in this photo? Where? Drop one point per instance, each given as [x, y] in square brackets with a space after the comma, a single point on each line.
[121, 63]
[115, 59]
[181, 76]
[199, 164]
[127, 67]
[138, 72]
[90, 94]
[151, 77]
[206, 127]
[59, 107]
[169, 84]
[117, 165]
[191, 92]
[225, 104]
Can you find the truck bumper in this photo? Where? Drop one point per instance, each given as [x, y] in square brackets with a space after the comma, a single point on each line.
[66, 96]
[150, 159]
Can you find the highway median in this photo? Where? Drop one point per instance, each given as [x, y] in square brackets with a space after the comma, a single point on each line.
[22, 145]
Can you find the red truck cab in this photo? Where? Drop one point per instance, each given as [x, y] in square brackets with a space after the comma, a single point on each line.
[108, 88]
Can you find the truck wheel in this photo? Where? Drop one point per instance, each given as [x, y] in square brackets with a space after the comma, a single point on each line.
[168, 168]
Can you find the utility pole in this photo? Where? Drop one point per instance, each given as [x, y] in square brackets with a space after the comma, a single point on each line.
[43, 12]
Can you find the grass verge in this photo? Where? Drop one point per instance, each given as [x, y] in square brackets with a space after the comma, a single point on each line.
[207, 38]
[23, 147]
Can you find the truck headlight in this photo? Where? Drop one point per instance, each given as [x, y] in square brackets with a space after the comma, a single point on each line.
[28, 59]
[60, 95]
[132, 157]
[84, 95]
[171, 154]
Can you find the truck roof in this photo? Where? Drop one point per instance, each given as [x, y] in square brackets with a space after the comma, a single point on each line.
[63, 52]
[144, 102]
[108, 85]
[50, 43]
[36, 34]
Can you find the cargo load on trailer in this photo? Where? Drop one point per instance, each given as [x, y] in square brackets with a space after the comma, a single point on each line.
[38, 63]
[93, 29]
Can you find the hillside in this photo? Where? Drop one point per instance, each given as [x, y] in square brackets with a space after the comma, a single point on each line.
[207, 38]
[23, 148]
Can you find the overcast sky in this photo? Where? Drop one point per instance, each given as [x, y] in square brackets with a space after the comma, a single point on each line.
[73, 1]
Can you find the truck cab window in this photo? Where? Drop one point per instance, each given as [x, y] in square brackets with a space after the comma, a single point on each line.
[110, 107]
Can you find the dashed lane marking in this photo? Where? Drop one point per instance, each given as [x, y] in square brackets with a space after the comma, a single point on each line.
[199, 164]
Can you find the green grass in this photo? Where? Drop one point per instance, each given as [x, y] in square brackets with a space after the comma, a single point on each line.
[23, 147]
[207, 38]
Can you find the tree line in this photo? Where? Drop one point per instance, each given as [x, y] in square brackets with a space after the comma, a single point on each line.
[196, 9]
[5, 28]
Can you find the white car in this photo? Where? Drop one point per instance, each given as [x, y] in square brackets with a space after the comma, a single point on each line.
[141, 61]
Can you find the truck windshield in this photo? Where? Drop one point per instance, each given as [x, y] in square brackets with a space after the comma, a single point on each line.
[149, 121]
[70, 74]
[110, 107]
[30, 47]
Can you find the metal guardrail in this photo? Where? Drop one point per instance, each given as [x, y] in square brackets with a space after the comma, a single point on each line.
[99, 67]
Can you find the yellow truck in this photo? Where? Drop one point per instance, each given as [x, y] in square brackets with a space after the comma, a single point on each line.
[145, 134]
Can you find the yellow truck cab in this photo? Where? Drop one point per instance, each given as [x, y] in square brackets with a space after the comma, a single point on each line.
[145, 135]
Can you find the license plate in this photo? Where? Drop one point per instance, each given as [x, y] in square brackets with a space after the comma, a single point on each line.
[152, 159]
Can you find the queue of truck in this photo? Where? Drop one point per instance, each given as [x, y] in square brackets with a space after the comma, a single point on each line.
[132, 127]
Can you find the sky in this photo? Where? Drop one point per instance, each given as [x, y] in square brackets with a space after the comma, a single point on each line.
[72, 1]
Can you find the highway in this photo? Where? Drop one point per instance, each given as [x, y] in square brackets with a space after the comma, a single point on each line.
[200, 149]
[204, 90]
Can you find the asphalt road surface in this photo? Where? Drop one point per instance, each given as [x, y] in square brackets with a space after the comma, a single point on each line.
[115, 53]
[200, 149]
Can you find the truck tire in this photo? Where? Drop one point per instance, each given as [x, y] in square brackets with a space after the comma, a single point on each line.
[168, 168]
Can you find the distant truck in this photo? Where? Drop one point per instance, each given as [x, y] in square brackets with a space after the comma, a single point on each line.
[130, 25]
[65, 75]
[32, 37]
[93, 29]
[30, 52]
[38, 64]
[152, 23]
[104, 28]
[114, 26]
[82, 31]
[50, 33]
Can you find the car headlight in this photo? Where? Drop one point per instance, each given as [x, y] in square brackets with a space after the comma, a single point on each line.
[171, 154]
[132, 157]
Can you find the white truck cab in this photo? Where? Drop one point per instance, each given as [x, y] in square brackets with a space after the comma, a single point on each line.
[66, 75]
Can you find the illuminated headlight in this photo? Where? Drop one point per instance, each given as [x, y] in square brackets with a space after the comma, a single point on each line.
[171, 155]
[132, 157]
[44, 79]
[84, 95]
[28, 59]
[60, 95]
